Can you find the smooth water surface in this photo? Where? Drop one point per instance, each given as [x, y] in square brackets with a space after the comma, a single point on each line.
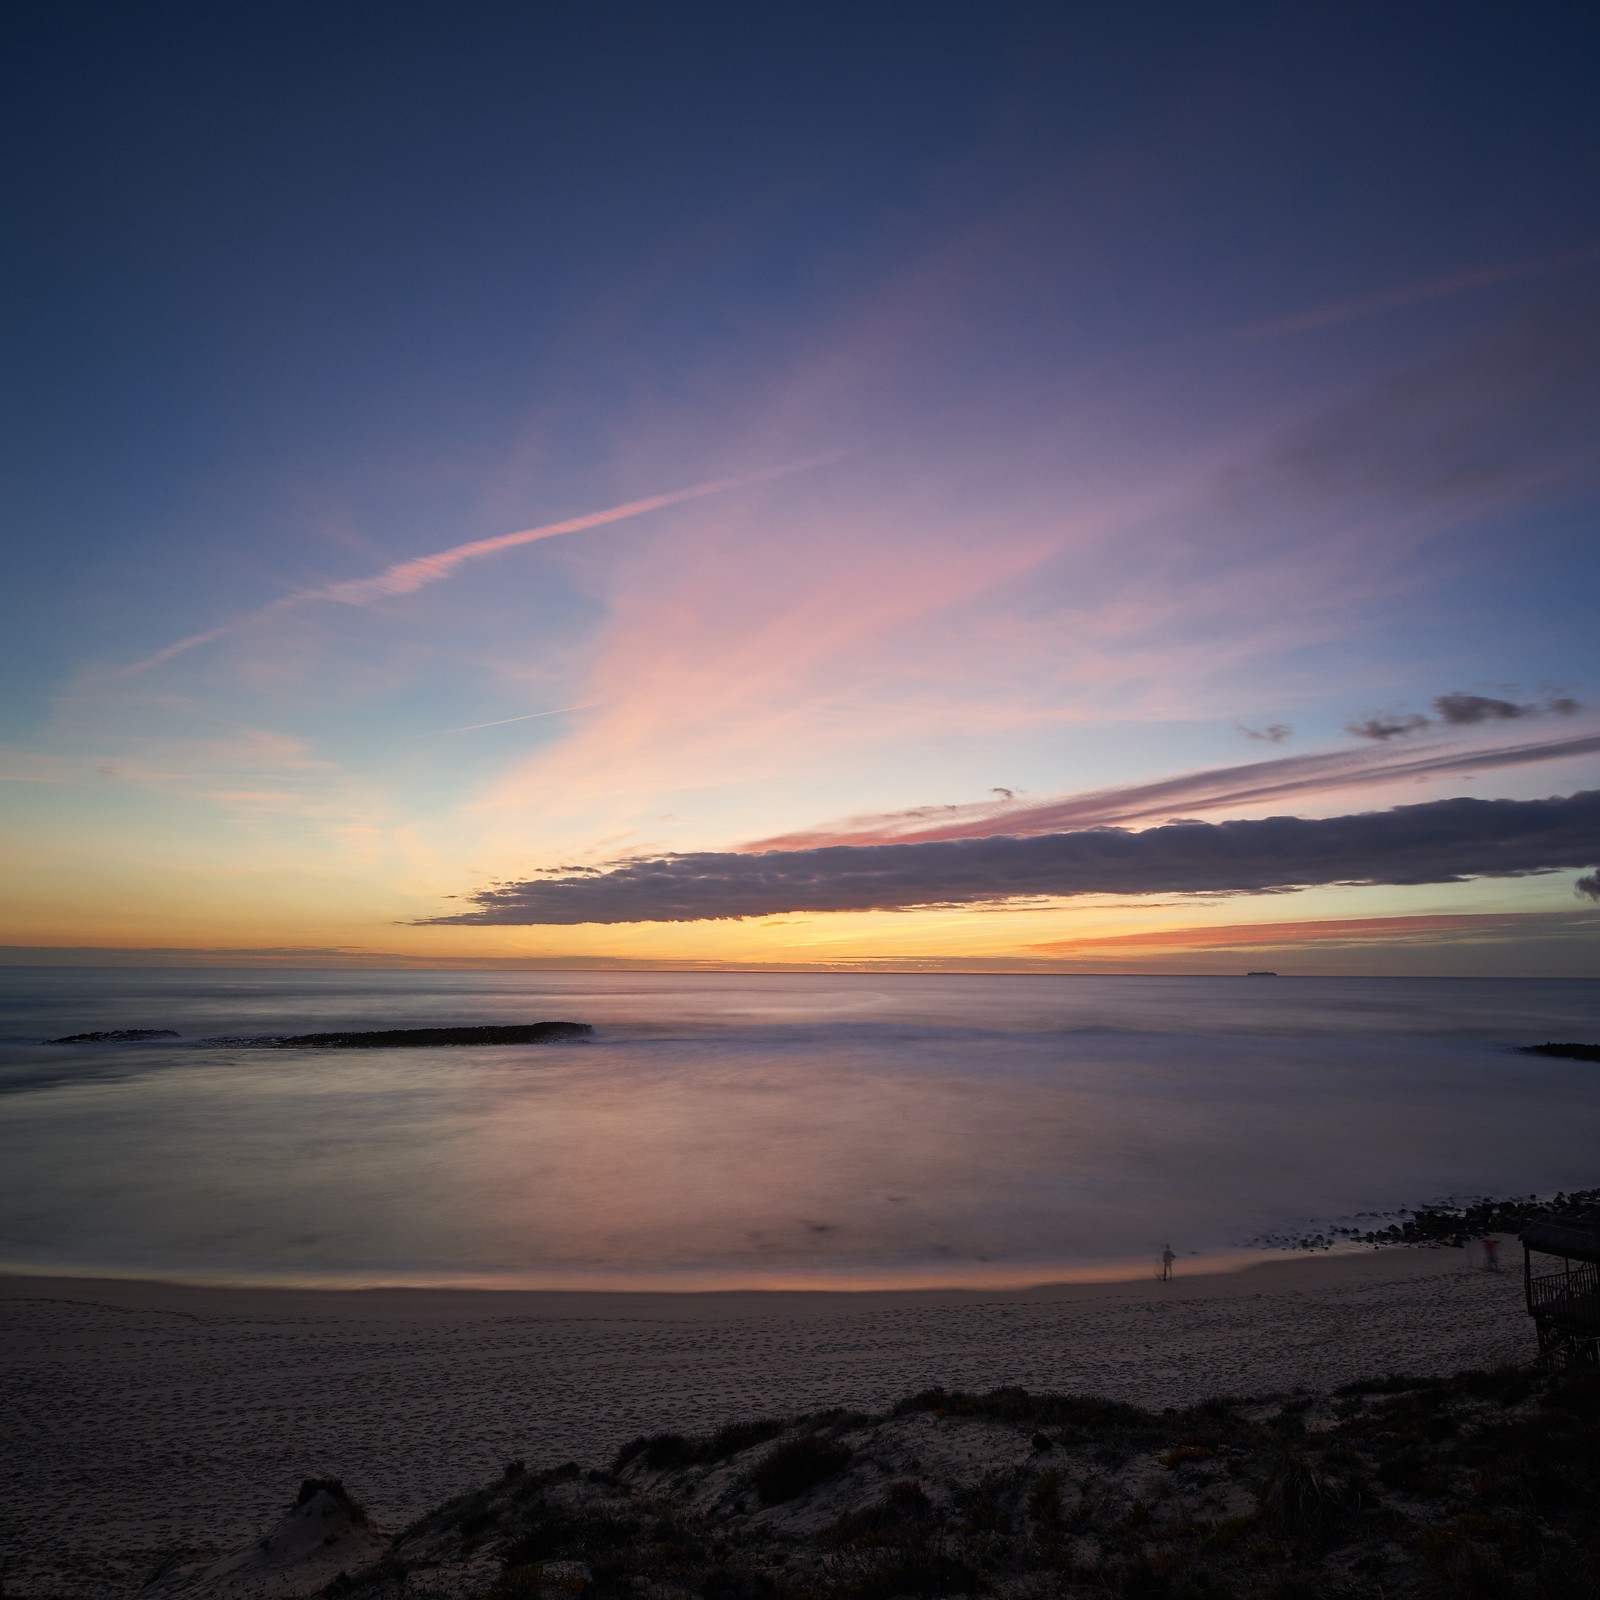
[726, 1130]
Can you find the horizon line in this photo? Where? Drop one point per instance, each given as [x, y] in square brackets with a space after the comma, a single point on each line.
[778, 969]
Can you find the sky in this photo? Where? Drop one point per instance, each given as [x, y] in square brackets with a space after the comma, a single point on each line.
[1021, 487]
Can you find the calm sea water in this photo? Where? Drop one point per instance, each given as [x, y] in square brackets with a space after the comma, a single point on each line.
[742, 1130]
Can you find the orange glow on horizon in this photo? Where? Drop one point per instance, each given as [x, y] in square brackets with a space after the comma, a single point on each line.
[1243, 934]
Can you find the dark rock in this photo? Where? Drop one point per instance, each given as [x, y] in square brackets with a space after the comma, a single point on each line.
[1574, 1052]
[1453, 1225]
[412, 1038]
[116, 1036]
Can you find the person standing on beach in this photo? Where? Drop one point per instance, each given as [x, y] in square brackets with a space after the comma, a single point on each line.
[1167, 1258]
[1491, 1254]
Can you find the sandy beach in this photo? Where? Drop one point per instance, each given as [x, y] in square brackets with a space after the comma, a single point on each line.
[141, 1417]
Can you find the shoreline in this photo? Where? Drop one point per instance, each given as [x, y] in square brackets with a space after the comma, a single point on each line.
[1207, 1277]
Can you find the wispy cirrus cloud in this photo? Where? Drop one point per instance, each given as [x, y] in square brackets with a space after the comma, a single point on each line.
[1440, 841]
[1213, 789]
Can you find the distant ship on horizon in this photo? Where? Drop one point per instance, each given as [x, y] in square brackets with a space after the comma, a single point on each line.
[1261, 974]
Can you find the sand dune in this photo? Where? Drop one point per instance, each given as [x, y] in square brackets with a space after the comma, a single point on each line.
[143, 1419]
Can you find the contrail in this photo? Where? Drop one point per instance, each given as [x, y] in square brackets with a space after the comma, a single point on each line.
[1413, 294]
[406, 576]
[500, 722]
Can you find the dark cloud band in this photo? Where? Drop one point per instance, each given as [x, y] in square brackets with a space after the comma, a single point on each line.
[1459, 711]
[1442, 841]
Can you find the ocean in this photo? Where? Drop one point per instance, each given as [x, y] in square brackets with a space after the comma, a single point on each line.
[739, 1130]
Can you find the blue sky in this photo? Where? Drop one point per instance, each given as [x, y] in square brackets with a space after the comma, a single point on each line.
[1092, 394]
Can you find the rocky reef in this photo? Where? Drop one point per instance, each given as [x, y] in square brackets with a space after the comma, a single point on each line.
[116, 1036]
[1573, 1052]
[416, 1038]
[376, 1039]
[1453, 1225]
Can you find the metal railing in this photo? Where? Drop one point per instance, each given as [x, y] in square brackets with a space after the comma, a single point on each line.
[1570, 1296]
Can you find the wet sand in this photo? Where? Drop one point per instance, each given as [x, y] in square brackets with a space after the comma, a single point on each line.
[137, 1418]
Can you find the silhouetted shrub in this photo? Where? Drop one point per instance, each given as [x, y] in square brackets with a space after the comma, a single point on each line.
[665, 1452]
[904, 1510]
[917, 1575]
[661, 1452]
[1018, 1405]
[559, 1535]
[1044, 1501]
[982, 1513]
[1393, 1383]
[737, 1583]
[797, 1465]
[517, 1583]
[1138, 1580]
[1296, 1494]
[736, 1436]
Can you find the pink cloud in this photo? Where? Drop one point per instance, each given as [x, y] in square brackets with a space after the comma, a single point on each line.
[1219, 788]
[764, 641]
